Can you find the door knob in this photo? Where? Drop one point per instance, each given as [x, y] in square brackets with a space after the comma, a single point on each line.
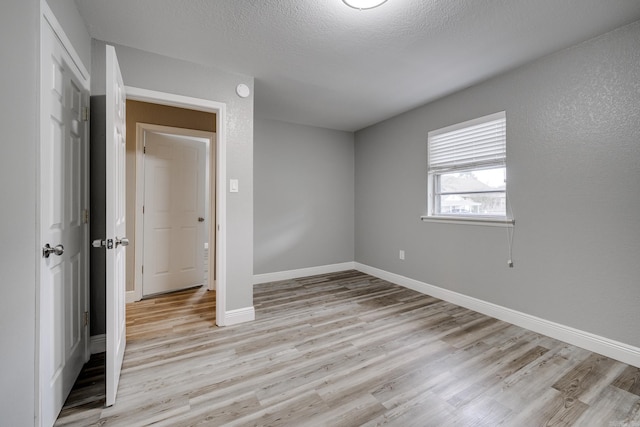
[48, 250]
[123, 241]
[200, 219]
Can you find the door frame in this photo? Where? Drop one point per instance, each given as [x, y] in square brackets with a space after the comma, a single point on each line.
[48, 19]
[217, 185]
[140, 194]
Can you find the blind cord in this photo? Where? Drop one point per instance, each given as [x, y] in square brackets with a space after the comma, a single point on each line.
[510, 230]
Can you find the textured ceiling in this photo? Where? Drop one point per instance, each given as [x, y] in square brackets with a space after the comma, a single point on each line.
[322, 63]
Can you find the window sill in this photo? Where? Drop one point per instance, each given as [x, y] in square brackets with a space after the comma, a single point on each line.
[490, 222]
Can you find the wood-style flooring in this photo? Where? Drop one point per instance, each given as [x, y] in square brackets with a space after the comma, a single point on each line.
[348, 349]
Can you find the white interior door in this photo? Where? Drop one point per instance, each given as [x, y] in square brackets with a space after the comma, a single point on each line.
[115, 218]
[63, 225]
[175, 218]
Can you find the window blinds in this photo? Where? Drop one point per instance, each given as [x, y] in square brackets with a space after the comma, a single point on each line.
[474, 143]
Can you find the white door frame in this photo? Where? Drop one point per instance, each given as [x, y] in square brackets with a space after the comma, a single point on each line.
[140, 194]
[48, 19]
[217, 187]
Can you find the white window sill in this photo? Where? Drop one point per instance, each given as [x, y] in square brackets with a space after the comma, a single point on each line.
[490, 222]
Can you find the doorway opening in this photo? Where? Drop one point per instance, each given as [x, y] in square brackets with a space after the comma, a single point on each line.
[171, 198]
[216, 185]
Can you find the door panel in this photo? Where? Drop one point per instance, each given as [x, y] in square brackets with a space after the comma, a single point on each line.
[174, 236]
[63, 198]
[115, 222]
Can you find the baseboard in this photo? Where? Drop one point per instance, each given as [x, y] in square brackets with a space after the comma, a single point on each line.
[240, 315]
[301, 272]
[98, 343]
[598, 344]
[130, 296]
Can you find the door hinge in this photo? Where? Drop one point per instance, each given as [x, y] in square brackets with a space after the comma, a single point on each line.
[142, 209]
[143, 269]
[86, 318]
[85, 216]
[144, 150]
[85, 114]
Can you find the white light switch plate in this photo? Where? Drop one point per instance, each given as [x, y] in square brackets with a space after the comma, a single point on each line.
[233, 185]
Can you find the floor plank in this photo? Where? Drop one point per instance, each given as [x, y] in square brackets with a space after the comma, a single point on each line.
[347, 349]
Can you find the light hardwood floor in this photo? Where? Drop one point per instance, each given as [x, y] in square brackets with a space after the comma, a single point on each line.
[347, 349]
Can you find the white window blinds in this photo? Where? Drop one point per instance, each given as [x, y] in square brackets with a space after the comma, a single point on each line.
[474, 143]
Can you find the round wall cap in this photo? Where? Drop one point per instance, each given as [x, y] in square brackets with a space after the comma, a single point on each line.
[243, 90]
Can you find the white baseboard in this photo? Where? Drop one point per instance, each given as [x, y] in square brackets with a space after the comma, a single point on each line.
[605, 346]
[240, 315]
[98, 343]
[130, 296]
[302, 272]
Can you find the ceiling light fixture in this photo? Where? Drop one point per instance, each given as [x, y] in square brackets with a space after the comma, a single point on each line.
[363, 4]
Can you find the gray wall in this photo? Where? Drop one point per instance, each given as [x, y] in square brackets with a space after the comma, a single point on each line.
[19, 120]
[146, 70]
[304, 182]
[573, 154]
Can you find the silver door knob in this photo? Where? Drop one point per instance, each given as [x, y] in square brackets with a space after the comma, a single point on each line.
[123, 241]
[48, 250]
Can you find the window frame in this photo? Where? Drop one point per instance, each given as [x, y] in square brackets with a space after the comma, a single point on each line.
[434, 175]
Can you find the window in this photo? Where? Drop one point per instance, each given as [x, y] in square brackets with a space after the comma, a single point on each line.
[467, 170]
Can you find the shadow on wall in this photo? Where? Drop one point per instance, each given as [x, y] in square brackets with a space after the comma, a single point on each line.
[284, 235]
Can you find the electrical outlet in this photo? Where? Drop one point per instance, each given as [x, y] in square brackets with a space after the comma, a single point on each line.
[401, 254]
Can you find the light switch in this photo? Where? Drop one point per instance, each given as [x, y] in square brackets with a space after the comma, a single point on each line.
[233, 185]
